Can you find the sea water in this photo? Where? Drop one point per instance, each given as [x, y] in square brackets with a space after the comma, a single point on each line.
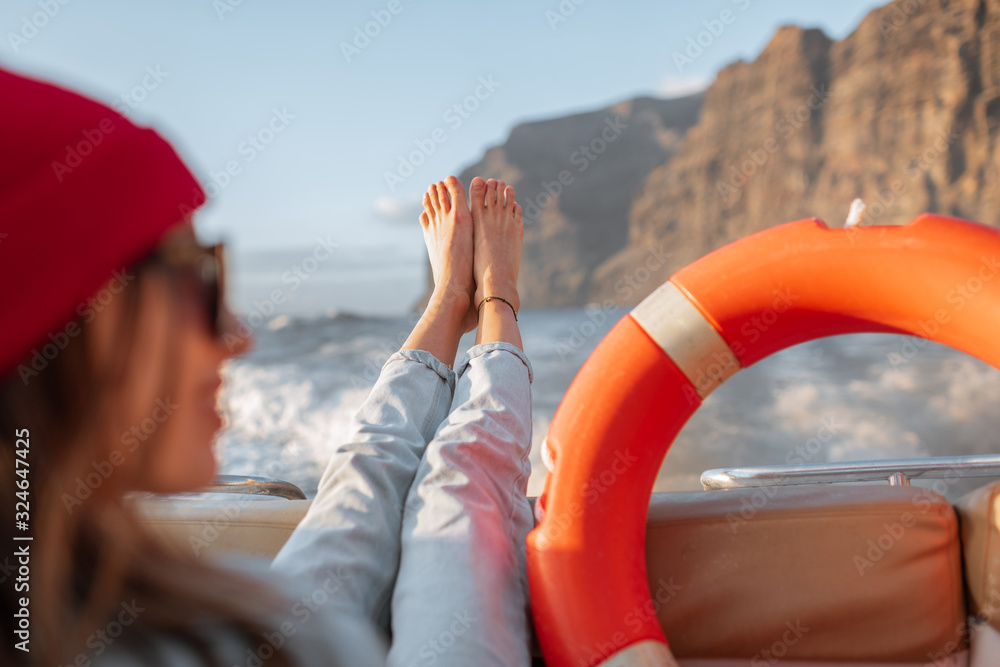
[289, 401]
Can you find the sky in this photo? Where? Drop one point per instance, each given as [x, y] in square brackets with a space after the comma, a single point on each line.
[310, 119]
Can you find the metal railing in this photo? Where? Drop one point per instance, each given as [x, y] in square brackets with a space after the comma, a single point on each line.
[257, 486]
[898, 472]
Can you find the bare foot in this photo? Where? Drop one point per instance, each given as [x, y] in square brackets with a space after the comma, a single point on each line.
[447, 226]
[498, 232]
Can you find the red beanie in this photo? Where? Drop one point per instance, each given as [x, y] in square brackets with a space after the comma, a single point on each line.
[83, 193]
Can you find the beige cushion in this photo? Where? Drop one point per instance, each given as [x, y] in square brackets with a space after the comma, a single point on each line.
[834, 573]
[979, 512]
[230, 524]
[734, 574]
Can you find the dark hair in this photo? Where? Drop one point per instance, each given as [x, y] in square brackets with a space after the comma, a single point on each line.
[88, 557]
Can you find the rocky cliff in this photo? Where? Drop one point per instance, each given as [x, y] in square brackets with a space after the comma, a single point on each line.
[904, 112]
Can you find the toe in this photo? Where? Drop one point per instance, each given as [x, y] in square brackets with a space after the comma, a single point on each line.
[435, 197]
[455, 191]
[508, 194]
[428, 207]
[491, 193]
[518, 214]
[446, 201]
[477, 193]
[424, 218]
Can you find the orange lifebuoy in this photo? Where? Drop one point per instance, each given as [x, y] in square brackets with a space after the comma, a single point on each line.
[937, 278]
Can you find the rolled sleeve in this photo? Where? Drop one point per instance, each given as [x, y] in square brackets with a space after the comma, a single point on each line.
[484, 349]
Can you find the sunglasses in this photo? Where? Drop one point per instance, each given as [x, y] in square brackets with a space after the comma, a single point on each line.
[200, 272]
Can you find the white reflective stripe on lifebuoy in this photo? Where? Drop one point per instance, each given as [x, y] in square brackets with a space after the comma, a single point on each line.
[647, 653]
[689, 339]
[547, 459]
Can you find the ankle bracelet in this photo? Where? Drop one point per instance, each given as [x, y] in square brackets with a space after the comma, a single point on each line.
[479, 308]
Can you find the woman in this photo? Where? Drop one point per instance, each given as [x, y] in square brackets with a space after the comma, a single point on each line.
[113, 311]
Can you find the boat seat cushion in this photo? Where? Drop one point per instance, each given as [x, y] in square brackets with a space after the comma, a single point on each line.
[227, 524]
[830, 573]
[979, 514]
[983, 650]
[835, 573]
